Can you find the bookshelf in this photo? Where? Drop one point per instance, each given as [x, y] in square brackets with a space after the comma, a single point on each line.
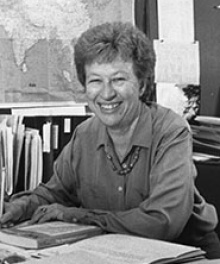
[55, 123]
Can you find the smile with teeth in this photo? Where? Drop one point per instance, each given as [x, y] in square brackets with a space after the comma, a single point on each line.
[109, 106]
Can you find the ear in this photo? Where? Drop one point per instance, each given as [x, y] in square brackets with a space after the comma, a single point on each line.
[142, 87]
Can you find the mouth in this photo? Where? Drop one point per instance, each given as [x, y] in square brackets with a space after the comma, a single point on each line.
[109, 107]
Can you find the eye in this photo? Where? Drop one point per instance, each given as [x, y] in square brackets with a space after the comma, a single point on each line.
[119, 81]
[94, 83]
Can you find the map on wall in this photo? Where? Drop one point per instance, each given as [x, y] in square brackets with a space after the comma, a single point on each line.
[36, 45]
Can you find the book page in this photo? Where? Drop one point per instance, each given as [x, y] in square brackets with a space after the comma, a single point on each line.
[130, 248]
[118, 249]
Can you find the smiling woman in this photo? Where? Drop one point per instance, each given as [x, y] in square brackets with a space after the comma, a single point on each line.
[128, 168]
[115, 75]
[113, 93]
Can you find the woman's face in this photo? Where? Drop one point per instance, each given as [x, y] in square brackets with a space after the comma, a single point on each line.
[113, 91]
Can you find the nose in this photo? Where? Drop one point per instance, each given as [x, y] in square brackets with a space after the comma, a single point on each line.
[107, 92]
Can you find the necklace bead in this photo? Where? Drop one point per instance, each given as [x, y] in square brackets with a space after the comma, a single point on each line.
[125, 168]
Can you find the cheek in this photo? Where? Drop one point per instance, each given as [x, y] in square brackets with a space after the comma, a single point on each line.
[91, 94]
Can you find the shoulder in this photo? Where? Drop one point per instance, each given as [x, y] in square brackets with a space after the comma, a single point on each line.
[167, 126]
[90, 125]
[88, 130]
[166, 119]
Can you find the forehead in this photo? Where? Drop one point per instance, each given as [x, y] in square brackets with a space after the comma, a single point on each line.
[117, 66]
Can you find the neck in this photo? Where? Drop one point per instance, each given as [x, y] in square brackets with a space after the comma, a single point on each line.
[122, 133]
[126, 130]
[122, 137]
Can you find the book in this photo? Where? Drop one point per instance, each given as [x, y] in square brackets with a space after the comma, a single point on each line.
[124, 249]
[47, 234]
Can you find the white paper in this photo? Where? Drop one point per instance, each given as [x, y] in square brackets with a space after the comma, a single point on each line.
[171, 96]
[177, 62]
[55, 136]
[67, 125]
[34, 160]
[9, 160]
[176, 20]
[47, 137]
[117, 249]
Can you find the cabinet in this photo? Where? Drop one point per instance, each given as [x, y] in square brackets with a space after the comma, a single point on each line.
[208, 183]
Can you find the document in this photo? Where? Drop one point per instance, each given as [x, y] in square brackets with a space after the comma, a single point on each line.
[176, 20]
[124, 249]
[177, 62]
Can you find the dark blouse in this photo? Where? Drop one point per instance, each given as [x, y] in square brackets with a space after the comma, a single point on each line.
[155, 199]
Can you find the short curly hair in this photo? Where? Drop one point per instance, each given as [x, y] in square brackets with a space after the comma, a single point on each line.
[106, 42]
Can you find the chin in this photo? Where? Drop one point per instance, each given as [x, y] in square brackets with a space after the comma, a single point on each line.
[109, 123]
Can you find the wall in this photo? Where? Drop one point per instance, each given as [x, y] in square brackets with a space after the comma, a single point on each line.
[207, 32]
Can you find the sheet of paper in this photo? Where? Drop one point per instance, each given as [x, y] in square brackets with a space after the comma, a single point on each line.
[176, 20]
[171, 96]
[177, 62]
[182, 99]
[117, 249]
[47, 137]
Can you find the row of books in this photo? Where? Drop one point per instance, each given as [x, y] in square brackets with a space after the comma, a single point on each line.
[16, 141]
[29, 146]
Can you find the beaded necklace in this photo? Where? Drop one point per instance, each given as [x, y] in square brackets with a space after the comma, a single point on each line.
[125, 168]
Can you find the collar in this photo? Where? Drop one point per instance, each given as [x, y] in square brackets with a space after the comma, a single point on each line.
[142, 135]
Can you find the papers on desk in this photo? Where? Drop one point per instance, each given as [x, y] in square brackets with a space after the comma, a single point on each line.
[123, 249]
[206, 139]
[7, 251]
[205, 158]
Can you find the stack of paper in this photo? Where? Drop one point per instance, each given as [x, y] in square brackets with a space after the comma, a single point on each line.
[124, 249]
[206, 138]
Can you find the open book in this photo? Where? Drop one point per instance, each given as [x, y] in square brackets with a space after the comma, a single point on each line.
[123, 249]
[46, 234]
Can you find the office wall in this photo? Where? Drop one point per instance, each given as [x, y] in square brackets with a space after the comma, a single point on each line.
[207, 32]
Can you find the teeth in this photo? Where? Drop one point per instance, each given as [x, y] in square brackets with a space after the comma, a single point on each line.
[111, 106]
